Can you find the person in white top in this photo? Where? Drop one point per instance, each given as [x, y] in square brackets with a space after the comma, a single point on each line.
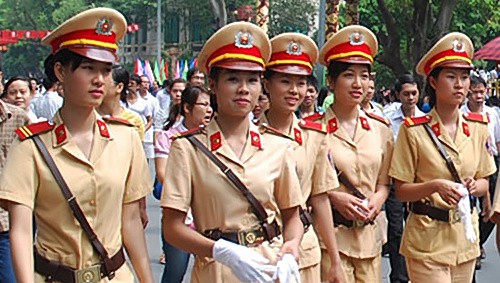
[17, 92]
[406, 89]
[476, 104]
[367, 104]
[50, 102]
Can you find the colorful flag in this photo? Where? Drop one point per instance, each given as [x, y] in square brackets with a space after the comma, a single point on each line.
[195, 63]
[156, 72]
[138, 69]
[148, 72]
[162, 71]
[165, 69]
[186, 69]
[191, 63]
[177, 70]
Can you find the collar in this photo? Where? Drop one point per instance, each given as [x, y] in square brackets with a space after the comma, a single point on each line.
[333, 123]
[399, 112]
[295, 132]
[60, 135]
[437, 127]
[216, 139]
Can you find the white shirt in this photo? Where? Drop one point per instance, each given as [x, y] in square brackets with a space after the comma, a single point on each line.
[163, 98]
[48, 105]
[154, 107]
[375, 108]
[396, 116]
[140, 107]
[493, 125]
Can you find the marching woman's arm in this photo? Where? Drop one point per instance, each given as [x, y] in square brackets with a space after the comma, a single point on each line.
[293, 230]
[407, 192]
[21, 241]
[135, 241]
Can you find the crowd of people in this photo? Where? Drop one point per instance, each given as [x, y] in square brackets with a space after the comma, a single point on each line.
[263, 175]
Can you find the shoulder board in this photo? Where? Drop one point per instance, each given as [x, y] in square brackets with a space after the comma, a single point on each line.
[265, 128]
[116, 120]
[477, 117]
[188, 133]
[379, 118]
[34, 129]
[413, 121]
[310, 125]
[314, 117]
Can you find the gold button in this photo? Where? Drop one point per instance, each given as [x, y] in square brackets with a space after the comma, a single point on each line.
[92, 202]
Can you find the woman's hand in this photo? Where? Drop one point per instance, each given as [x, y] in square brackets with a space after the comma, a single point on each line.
[447, 190]
[471, 186]
[375, 203]
[336, 273]
[351, 207]
[290, 247]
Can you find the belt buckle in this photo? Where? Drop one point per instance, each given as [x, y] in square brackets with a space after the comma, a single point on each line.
[358, 223]
[455, 216]
[249, 238]
[90, 274]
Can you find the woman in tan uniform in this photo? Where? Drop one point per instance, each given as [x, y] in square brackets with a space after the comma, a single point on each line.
[231, 243]
[83, 148]
[435, 242]
[292, 58]
[361, 149]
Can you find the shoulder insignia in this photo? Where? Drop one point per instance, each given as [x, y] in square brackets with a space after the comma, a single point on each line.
[413, 121]
[297, 133]
[255, 139]
[103, 128]
[332, 125]
[265, 128]
[185, 134]
[309, 124]
[364, 123]
[116, 120]
[34, 129]
[314, 117]
[477, 117]
[379, 118]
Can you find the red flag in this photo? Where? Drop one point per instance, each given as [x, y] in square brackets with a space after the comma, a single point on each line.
[165, 69]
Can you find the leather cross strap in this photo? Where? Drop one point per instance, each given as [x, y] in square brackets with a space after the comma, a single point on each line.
[257, 207]
[444, 154]
[76, 209]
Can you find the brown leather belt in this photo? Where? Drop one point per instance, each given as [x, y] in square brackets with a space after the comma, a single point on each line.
[340, 220]
[54, 271]
[249, 238]
[433, 212]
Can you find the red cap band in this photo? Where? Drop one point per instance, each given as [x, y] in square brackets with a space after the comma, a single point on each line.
[231, 51]
[347, 49]
[88, 37]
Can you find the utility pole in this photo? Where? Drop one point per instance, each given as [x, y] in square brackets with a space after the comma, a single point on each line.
[321, 39]
[158, 32]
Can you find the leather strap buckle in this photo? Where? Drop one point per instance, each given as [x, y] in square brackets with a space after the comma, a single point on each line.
[90, 274]
[454, 216]
[251, 238]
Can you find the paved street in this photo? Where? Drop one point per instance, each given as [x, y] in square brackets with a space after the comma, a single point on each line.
[488, 274]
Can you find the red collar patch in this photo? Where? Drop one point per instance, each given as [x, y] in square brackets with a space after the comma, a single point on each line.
[364, 123]
[297, 135]
[436, 129]
[255, 137]
[465, 126]
[333, 125]
[60, 134]
[103, 129]
[215, 141]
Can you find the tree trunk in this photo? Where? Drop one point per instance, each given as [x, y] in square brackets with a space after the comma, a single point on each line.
[352, 12]
[262, 17]
[219, 9]
[332, 18]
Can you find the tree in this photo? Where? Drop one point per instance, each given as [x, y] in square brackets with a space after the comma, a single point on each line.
[291, 16]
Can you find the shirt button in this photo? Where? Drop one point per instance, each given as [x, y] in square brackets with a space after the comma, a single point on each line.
[92, 202]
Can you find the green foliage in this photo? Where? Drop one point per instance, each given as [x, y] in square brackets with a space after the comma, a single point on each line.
[291, 16]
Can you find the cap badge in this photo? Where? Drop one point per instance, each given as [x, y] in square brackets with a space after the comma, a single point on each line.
[458, 46]
[356, 38]
[104, 27]
[294, 48]
[243, 40]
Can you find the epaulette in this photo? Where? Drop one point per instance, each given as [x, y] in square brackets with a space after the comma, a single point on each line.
[265, 128]
[310, 125]
[116, 120]
[190, 132]
[30, 130]
[413, 121]
[314, 117]
[379, 118]
[477, 117]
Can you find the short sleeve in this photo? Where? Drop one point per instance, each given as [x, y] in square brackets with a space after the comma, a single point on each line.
[177, 188]
[138, 183]
[162, 145]
[287, 187]
[388, 143]
[324, 174]
[404, 158]
[19, 178]
[486, 164]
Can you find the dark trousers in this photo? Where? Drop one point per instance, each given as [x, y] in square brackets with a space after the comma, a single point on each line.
[395, 217]
[6, 270]
[176, 262]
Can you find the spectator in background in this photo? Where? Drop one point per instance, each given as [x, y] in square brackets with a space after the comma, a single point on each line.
[163, 97]
[195, 77]
[155, 88]
[50, 102]
[261, 106]
[323, 93]
[367, 104]
[34, 88]
[17, 92]
[310, 104]
[135, 103]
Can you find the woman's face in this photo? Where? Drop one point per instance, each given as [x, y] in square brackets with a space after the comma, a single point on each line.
[451, 86]
[176, 92]
[286, 91]
[19, 94]
[311, 96]
[261, 106]
[201, 112]
[236, 92]
[350, 85]
[85, 86]
[112, 90]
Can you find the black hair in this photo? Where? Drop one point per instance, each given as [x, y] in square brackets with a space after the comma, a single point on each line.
[322, 94]
[428, 90]
[66, 58]
[188, 98]
[121, 75]
[312, 81]
[136, 78]
[214, 73]
[166, 83]
[177, 81]
[475, 80]
[47, 83]
[12, 80]
[335, 68]
[404, 79]
[36, 82]
[268, 74]
[191, 73]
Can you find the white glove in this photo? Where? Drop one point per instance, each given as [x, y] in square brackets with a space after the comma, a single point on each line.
[246, 264]
[465, 215]
[287, 269]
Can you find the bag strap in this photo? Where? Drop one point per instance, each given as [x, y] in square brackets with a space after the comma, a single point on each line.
[345, 181]
[73, 204]
[444, 154]
[257, 207]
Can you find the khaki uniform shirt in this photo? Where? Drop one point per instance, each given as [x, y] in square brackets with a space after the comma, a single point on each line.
[416, 160]
[316, 176]
[11, 118]
[116, 173]
[265, 167]
[365, 162]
